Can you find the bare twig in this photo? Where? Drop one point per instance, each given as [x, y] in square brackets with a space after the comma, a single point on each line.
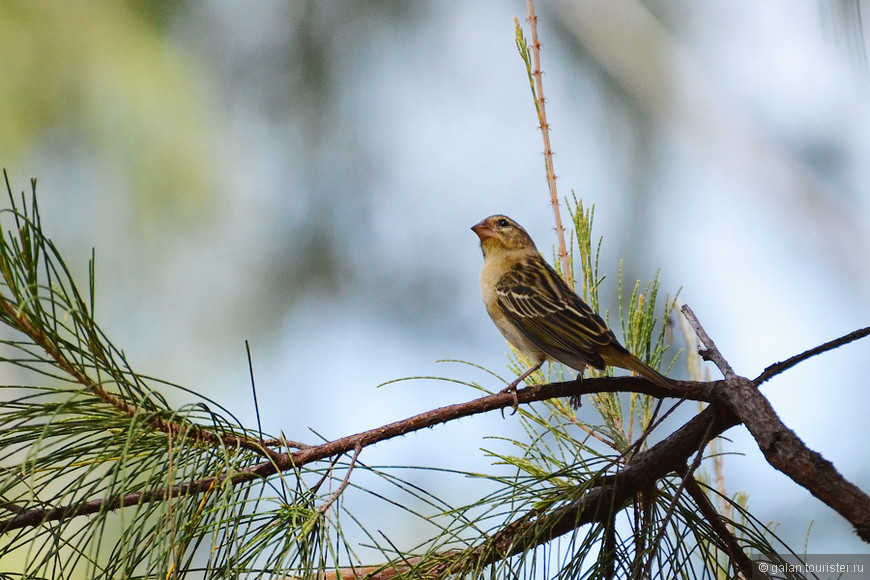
[643, 518]
[651, 426]
[711, 352]
[779, 367]
[344, 483]
[698, 372]
[609, 547]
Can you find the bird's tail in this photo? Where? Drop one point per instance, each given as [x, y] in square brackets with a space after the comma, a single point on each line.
[620, 357]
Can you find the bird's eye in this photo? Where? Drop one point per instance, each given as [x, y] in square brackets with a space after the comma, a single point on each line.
[503, 223]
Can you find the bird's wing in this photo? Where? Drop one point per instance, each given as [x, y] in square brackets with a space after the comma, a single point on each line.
[551, 315]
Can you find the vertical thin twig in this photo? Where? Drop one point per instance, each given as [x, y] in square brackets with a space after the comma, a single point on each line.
[697, 372]
[548, 150]
[711, 352]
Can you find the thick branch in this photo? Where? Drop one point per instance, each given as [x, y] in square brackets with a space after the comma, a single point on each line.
[535, 528]
[779, 444]
[787, 453]
[744, 404]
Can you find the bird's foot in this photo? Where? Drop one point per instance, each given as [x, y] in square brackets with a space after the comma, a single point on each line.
[576, 400]
[512, 389]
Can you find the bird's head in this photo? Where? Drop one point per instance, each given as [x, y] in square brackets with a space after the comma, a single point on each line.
[499, 233]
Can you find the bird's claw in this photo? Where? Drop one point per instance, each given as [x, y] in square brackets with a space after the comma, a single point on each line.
[576, 400]
[512, 389]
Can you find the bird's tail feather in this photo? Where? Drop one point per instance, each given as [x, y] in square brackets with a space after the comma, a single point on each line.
[625, 360]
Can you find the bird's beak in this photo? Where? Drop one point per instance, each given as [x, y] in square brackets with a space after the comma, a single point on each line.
[483, 230]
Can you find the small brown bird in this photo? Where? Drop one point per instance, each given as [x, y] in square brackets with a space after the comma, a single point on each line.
[538, 313]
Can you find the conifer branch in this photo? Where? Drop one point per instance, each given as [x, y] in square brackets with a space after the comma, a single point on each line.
[196, 432]
[733, 401]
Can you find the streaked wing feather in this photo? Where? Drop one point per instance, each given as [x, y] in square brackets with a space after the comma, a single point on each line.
[550, 314]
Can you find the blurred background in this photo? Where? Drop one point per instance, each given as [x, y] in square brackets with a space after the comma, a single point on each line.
[303, 175]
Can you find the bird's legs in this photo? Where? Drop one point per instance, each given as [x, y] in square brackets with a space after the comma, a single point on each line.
[575, 400]
[512, 388]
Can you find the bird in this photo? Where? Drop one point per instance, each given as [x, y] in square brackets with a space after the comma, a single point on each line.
[539, 314]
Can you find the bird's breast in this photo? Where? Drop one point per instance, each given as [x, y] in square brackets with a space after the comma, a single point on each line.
[489, 278]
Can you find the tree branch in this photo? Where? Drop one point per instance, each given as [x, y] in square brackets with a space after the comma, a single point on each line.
[308, 454]
[734, 400]
[788, 454]
[711, 353]
[739, 559]
[782, 448]
[779, 367]
[535, 528]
